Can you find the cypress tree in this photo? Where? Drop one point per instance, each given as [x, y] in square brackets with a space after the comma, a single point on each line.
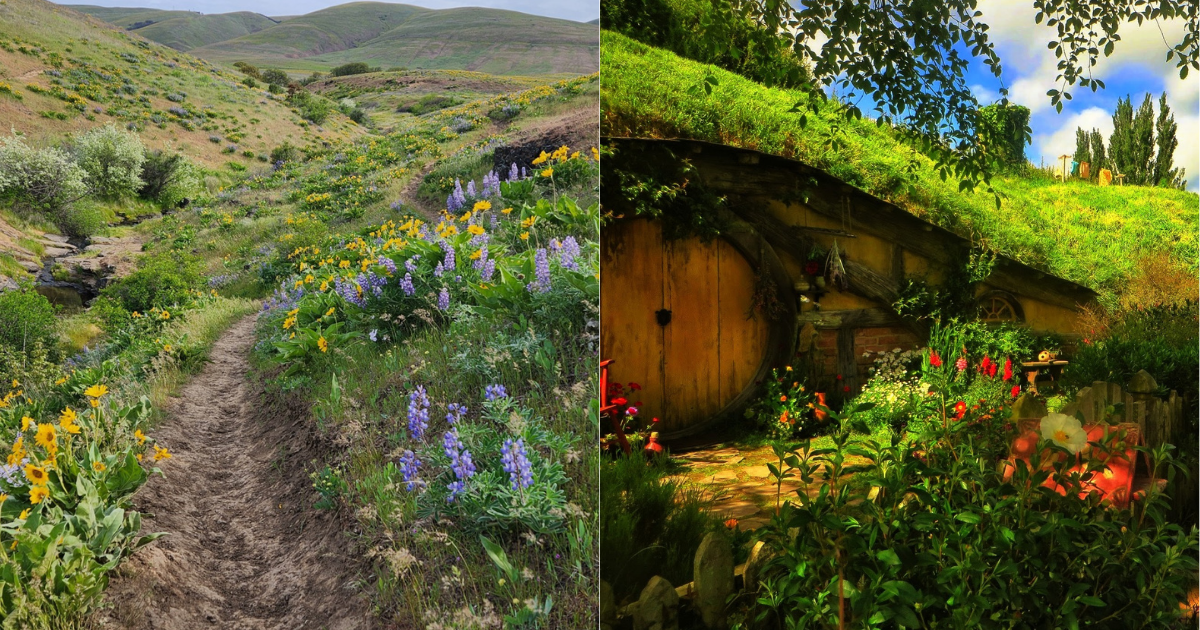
[1122, 136]
[1164, 172]
[1141, 154]
[1081, 146]
[1097, 149]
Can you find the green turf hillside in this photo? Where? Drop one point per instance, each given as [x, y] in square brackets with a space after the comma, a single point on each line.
[66, 72]
[126, 17]
[1091, 235]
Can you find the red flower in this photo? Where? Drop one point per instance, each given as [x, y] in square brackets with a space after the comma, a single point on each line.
[637, 404]
[992, 371]
[654, 420]
[1016, 391]
[839, 377]
[812, 268]
[846, 389]
[960, 410]
[985, 365]
[961, 363]
[934, 359]
[1007, 369]
[620, 401]
[633, 387]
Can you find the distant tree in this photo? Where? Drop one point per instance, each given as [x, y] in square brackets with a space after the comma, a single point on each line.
[1131, 145]
[1082, 153]
[275, 76]
[1097, 151]
[1004, 129]
[247, 69]
[1165, 129]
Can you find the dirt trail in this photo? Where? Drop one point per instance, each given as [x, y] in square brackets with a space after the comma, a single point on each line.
[246, 550]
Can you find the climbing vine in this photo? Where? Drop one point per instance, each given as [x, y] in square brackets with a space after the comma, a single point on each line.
[650, 180]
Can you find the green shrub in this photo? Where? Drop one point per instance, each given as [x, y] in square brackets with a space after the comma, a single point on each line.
[27, 321]
[275, 76]
[163, 280]
[354, 67]
[944, 541]
[111, 159]
[312, 108]
[285, 152]
[167, 178]
[81, 220]
[429, 103]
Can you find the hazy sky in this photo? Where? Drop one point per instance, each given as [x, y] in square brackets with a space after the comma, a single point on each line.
[579, 10]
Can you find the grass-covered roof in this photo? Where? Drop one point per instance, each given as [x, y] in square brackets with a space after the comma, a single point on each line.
[1095, 236]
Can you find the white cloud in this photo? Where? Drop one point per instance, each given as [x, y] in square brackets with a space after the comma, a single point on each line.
[1048, 146]
[1184, 99]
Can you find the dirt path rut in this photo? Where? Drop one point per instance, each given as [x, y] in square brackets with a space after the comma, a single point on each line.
[245, 550]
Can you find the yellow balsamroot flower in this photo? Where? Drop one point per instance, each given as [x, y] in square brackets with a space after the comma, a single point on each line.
[3, 498]
[36, 475]
[465, 217]
[24, 515]
[506, 211]
[595, 154]
[324, 286]
[166, 347]
[166, 315]
[475, 229]
[141, 437]
[524, 236]
[322, 344]
[46, 436]
[481, 206]
[289, 322]
[548, 172]
[574, 155]
[309, 279]
[345, 264]
[541, 159]
[38, 494]
[26, 421]
[161, 453]
[528, 223]
[292, 313]
[16, 383]
[331, 311]
[477, 254]
[96, 391]
[99, 466]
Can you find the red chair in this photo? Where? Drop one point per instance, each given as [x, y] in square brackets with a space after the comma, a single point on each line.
[609, 409]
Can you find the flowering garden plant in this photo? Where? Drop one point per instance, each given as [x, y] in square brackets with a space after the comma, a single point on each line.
[786, 407]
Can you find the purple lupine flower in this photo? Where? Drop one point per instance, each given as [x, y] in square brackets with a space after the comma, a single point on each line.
[452, 204]
[483, 258]
[516, 463]
[541, 262]
[388, 264]
[513, 175]
[409, 467]
[493, 222]
[411, 263]
[406, 285]
[350, 291]
[460, 199]
[418, 413]
[448, 261]
[480, 239]
[460, 462]
[567, 253]
[491, 184]
[458, 278]
[374, 334]
[489, 268]
[471, 189]
[443, 302]
[439, 270]
[524, 173]
[455, 413]
[494, 392]
[397, 205]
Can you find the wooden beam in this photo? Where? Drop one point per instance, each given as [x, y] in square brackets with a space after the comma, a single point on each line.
[897, 274]
[850, 318]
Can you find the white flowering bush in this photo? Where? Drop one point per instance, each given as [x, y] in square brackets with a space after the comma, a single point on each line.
[895, 388]
[111, 159]
[39, 181]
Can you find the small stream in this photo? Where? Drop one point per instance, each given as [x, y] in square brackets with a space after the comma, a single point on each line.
[67, 294]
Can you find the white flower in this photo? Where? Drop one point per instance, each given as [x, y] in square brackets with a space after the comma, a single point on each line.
[1065, 431]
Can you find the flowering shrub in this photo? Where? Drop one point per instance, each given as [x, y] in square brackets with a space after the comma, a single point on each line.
[945, 541]
[785, 408]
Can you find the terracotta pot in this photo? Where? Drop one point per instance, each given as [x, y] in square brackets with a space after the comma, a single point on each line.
[653, 447]
[820, 414]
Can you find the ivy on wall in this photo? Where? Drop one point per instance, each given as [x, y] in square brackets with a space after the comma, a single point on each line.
[649, 180]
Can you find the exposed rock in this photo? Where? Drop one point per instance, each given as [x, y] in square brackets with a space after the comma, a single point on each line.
[713, 571]
[58, 252]
[754, 566]
[657, 608]
[8, 284]
[608, 606]
[1143, 383]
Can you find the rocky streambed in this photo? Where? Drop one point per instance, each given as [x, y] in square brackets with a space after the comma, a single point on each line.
[69, 272]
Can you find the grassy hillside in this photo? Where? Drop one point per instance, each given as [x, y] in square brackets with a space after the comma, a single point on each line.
[67, 73]
[484, 40]
[125, 17]
[1093, 236]
[187, 33]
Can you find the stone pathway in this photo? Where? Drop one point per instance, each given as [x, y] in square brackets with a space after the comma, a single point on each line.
[738, 481]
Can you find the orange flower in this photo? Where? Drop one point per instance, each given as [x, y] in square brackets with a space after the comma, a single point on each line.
[731, 523]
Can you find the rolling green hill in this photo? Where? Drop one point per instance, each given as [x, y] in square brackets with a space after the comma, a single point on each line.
[381, 34]
[1095, 236]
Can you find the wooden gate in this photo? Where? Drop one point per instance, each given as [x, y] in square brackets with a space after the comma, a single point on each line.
[678, 318]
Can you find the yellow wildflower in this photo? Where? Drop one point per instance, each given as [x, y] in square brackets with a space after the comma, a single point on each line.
[26, 421]
[38, 494]
[595, 154]
[46, 436]
[548, 172]
[528, 223]
[345, 264]
[477, 254]
[36, 475]
[141, 437]
[161, 453]
[331, 310]
[166, 315]
[475, 229]
[322, 344]
[24, 515]
[481, 206]
[541, 159]
[524, 236]
[96, 391]
[99, 466]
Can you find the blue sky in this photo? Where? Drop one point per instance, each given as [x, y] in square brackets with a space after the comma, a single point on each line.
[578, 10]
[1137, 66]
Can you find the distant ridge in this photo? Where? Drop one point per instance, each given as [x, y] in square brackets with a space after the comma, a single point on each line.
[381, 34]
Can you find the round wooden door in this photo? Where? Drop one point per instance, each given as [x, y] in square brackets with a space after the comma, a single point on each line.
[677, 317]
